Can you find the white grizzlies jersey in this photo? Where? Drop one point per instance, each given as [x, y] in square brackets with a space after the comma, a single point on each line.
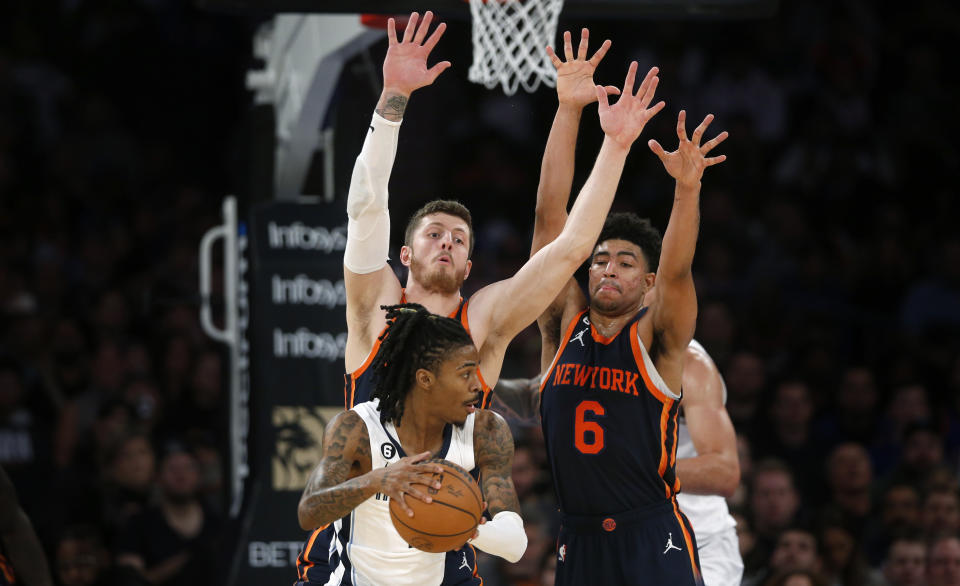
[366, 549]
[707, 513]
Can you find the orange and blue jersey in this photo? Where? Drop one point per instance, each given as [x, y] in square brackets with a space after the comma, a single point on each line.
[610, 427]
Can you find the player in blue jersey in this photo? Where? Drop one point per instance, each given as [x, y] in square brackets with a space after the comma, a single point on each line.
[427, 389]
[439, 239]
[610, 395]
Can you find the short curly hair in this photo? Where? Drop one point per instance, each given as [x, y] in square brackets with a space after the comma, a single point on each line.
[634, 229]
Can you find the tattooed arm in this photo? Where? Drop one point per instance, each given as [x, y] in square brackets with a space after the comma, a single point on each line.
[344, 478]
[504, 535]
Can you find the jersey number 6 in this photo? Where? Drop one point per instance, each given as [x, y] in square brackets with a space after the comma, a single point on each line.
[584, 427]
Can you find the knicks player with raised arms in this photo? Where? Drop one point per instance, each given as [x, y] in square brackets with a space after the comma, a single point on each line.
[439, 240]
[427, 390]
[610, 397]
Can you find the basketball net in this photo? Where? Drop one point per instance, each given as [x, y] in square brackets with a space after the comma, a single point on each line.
[509, 38]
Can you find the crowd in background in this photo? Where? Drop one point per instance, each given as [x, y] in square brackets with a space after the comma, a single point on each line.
[828, 271]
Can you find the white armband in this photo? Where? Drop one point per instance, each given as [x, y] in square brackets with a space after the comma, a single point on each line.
[503, 536]
[368, 225]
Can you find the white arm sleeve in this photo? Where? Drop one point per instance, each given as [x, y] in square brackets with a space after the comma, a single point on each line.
[503, 536]
[368, 224]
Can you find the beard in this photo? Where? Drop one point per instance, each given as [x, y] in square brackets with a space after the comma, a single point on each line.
[438, 281]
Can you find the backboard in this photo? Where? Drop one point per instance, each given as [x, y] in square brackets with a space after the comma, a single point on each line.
[721, 9]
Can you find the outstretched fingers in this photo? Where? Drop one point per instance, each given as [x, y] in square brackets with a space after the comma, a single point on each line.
[682, 126]
[553, 57]
[700, 129]
[603, 103]
[713, 142]
[423, 28]
[648, 79]
[584, 42]
[567, 46]
[601, 53]
[646, 95]
[714, 160]
[657, 149]
[391, 31]
[411, 27]
[435, 37]
[631, 77]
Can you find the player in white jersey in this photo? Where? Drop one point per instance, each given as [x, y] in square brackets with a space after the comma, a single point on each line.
[424, 405]
[708, 468]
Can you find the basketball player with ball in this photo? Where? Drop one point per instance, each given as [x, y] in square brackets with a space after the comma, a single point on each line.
[402, 462]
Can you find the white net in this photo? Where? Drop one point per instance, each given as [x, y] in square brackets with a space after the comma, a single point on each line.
[509, 38]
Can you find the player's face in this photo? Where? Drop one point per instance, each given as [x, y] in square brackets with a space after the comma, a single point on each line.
[438, 256]
[458, 385]
[619, 278]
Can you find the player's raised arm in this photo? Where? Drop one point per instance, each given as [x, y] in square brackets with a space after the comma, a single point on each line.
[368, 279]
[716, 467]
[332, 491]
[503, 535]
[675, 311]
[575, 90]
[506, 307]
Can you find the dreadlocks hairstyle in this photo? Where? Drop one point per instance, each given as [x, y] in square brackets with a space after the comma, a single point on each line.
[439, 206]
[632, 228]
[414, 339]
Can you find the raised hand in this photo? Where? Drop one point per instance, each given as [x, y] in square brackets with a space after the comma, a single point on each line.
[405, 66]
[575, 75]
[624, 121]
[402, 478]
[686, 164]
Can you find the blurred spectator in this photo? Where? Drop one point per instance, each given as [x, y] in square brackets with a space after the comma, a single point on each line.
[899, 517]
[854, 417]
[173, 542]
[795, 549]
[842, 562]
[797, 578]
[775, 503]
[940, 515]
[850, 478]
[81, 558]
[746, 380]
[906, 562]
[943, 562]
[788, 434]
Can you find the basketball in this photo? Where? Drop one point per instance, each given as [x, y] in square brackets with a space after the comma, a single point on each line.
[447, 522]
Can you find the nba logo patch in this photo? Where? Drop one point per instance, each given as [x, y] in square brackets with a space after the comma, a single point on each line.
[562, 553]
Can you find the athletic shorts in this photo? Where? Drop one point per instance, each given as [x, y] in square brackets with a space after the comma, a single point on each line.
[654, 545]
[313, 564]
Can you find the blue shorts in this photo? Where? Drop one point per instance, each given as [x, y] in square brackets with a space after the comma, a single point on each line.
[654, 545]
[313, 564]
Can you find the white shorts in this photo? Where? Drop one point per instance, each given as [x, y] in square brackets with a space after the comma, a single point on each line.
[720, 560]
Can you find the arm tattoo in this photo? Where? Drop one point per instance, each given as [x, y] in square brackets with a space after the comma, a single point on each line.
[330, 492]
[394, 108]
[493, 447]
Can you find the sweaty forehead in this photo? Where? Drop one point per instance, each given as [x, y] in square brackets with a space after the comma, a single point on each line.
[462, 355]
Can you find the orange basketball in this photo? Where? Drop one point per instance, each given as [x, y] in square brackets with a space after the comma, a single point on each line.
[447, 522]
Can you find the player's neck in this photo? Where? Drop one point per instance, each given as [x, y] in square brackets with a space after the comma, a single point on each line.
[434, 301]
[609, 324]
[420, 430]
